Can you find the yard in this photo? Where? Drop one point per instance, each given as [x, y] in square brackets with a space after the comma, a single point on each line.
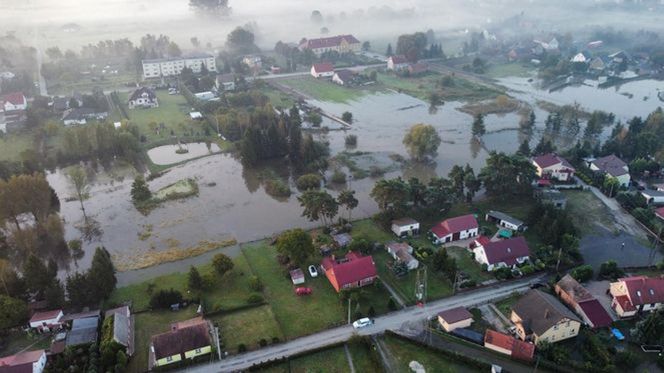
[331, 360]
[512, 69]
[588, 212]
[322, 89]
[87, 84]
[404, 352]
[505, 305]
[16, 341]
[468, 265]
[247, 327]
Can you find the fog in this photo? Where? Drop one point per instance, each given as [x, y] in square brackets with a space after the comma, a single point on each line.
[40, 21]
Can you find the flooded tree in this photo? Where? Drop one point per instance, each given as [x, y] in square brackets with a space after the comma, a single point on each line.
[79, 180]
[318, 205]
[478, 129]
[422, 141]
[347, 199]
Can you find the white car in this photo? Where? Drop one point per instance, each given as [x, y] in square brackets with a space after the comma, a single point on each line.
[361, 323]
[312, 271]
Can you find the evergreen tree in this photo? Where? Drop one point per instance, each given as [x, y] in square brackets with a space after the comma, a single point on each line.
[524, 149]
[139, 190]
[479, 128]
[103, 273]
[194, 279]
[389, 52]
[37, 276]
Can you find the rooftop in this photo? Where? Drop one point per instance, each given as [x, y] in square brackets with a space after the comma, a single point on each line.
[572, 287]
[548, 160]
[596, 313]
[644, 290]
[323, 67]
[506, 251]
[502, 216]
[180, 340]
[612, 165]
[332, 41]
[454, 225]
[456, 314]
[541, 311]
[351, 269]
[404, 221]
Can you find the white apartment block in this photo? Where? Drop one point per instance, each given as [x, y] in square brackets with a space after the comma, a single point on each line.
[173, 66]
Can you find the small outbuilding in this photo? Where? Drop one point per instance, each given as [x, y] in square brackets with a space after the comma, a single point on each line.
[405, 227]
[402, 252]
[297, 276]
[454, 318]
[505, 221]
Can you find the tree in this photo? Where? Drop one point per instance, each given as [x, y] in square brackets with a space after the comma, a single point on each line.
[79, 180]
[443, 263]
[139, 190]
[471, 182]
[37, 276]
[318, 204]
[296, 244]
[241, 41]
[347, 199]
[13, 312]
[316, 17]
[479, 128]
[389, 52]
[54, 295]
[650, 330]
[507, 174]
[582, 273]
[347, 117]
[222, 264]
[457, 176]
[391, 195]
[194, 279]
[308, 181]
[195, 42]
[210, 7]
[103, 272]
[79, 289]
[422, 141]
[366, 46]
[610, 270]
[524, 149]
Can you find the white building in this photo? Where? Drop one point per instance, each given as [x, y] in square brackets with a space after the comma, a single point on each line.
[501, 254]
[405, 227]
[398, 62]
[455, 229]
[402, 252]
[173, 66]
[340, 44]
[322, 70]
[13, 102]
[612, 166]
[636, 294]
[27, 361]
[455, 318]
[46, 320]
[143, 98]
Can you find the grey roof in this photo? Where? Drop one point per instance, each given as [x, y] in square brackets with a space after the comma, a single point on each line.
[121, 329]
[502, 216]
[342, 239]
[612, 165]
[83, 331]
[541, 311]
[404, 221]
[652, 193]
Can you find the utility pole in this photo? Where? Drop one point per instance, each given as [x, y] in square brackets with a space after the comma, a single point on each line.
[349, 308]
[560, 252]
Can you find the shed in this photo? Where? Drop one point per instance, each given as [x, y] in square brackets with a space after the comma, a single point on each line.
[405, 227]
[342, 239]
[297, 276]
[505, 220]
[454, 318]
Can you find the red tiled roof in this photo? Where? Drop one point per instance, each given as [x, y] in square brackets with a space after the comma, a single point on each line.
[399, 59]
[329, 42]
[483, 240]
[625, 304]
[454, 225]
[523, 350]
[181, 340]
[455, 315]
[46, 315]
[660, 212]
[596, 313]
[506, 251]
[27, 357]
[644, 290]
[548, 160]
[323, 67]
[16, 98]
[520, 349]
[355, 269]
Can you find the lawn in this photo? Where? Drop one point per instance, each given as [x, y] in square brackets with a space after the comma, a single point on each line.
[404, 352]
[322, 89]
[331, 360]
[86, 84]
[172, 112]
[297, 315]
[278, 98]
[468, 265]
[149, 324]
[505, 305]
[12, 145]
[247, 327]
[19, 340]
[364, 360]
[505, 70]
[459, 89]
[587, 212]
[370, 230]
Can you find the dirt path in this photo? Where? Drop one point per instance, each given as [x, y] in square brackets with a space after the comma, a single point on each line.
[389, 363]
[350, 359]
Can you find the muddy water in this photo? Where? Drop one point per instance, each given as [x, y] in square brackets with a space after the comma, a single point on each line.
[166, 154]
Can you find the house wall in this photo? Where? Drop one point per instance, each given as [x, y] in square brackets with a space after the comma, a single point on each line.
[566, 298]
[620, 311]
[401, 231]
[459, 324]
[498, 349]
[38, 366]
[174, 67]
[52, 321]
[564, 329]
[316, 74]
[168, 360]
[465, 234]
[480, 255]
[520, 331]
[337, 80]
[198, 352]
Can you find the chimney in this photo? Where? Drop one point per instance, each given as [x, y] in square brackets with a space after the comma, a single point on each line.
[546, 313]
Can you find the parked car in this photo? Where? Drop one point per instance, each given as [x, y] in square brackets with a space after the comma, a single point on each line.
[361, 323]
[312, 271]
[303, 291]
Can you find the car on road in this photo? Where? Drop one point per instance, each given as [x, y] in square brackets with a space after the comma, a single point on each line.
[303, 291]
[312, 271]
[361, 323]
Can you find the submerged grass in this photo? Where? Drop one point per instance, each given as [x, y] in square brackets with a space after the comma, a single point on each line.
[181, 189]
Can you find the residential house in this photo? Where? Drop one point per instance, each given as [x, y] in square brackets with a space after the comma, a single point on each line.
[508, 345]
[581, 57]
[405, 227]
[553, 166]
[397, 63]
[402, 252]
[83, 331]
[455, 229]
[13, 102]
[343, 77]
[505, 221]
[612, 166]
[225, 83]
[418, 68]
[205, 96]
[156, 68]
[540, 317]
[81, 116]
[322, 70]
[594, 44]
[143, 97]
[24, 362]
[455, 318]
[653, 197]
[123, 327]
[186, 340]
[660, 213]
[353, 271]
[7, 75]
[551, 197]
[340, 44]
[597, 64]
[503, 253]
[297, 276]
[582, 302]
[255, 63]
[632, 295]
[46, 321]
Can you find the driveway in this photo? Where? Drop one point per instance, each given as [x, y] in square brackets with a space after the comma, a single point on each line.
[599, 290]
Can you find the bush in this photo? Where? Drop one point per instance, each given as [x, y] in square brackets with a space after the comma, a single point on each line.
[338, 177]
[503, 273]
[350, 140]
[254, 298]
[262, 342]
[275, 340]
[277, 188]
[165, 298]
[582, 273]
[308, 181]
[391, 305]
[241, 348]
[255, 283]
[222, 263]
[347, 117]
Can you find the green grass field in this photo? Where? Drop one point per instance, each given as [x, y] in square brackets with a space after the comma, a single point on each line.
[468, 265]
[505, 305]
[12, 145]
[323, 90]
[404, 352]
[587, 212]
[422, 86]
[331, 360]
[505, 70]
[86, 84]
[247, 327]
[20, 340]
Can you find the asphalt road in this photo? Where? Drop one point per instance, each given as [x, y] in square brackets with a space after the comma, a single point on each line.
[392, 321]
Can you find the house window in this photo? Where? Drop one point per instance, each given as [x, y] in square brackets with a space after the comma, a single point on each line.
[198, 350]
[169, 358]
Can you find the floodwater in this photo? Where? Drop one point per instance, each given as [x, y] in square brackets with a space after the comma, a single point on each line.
[233, 203]
[166, 154]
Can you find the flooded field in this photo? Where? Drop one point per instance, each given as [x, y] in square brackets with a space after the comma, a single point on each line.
[232, 203]
[168, 154]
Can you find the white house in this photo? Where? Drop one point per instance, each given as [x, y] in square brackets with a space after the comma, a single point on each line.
[81, 116]
[143, 97]
[23, 362]
[500, 254]
[255, 63]
[405, 227]
[225, 83]
[322, 70]
[157, 68]
[6, 75]
[553, 166]
[396, 63]
[612, 166]
[632, 295]
[402, 252]
[13, 101]
[45, 321]
[340, 44]
[343, 77]
[579, 58]
[455, 229]
[455, 318]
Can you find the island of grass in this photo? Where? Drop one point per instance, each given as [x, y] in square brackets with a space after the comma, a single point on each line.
[182, 189]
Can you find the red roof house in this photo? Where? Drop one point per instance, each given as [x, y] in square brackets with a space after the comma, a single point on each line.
[13, 101]
[553, 166]
[46, 319]
[24, 362]
[353, 271]
[508, 345]
[582, 302]
[504, 253]
[322, 70]
[643, 294]
[594, 314]
[398, 62]
[660, 213]
[454, 229]
[339, 43]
